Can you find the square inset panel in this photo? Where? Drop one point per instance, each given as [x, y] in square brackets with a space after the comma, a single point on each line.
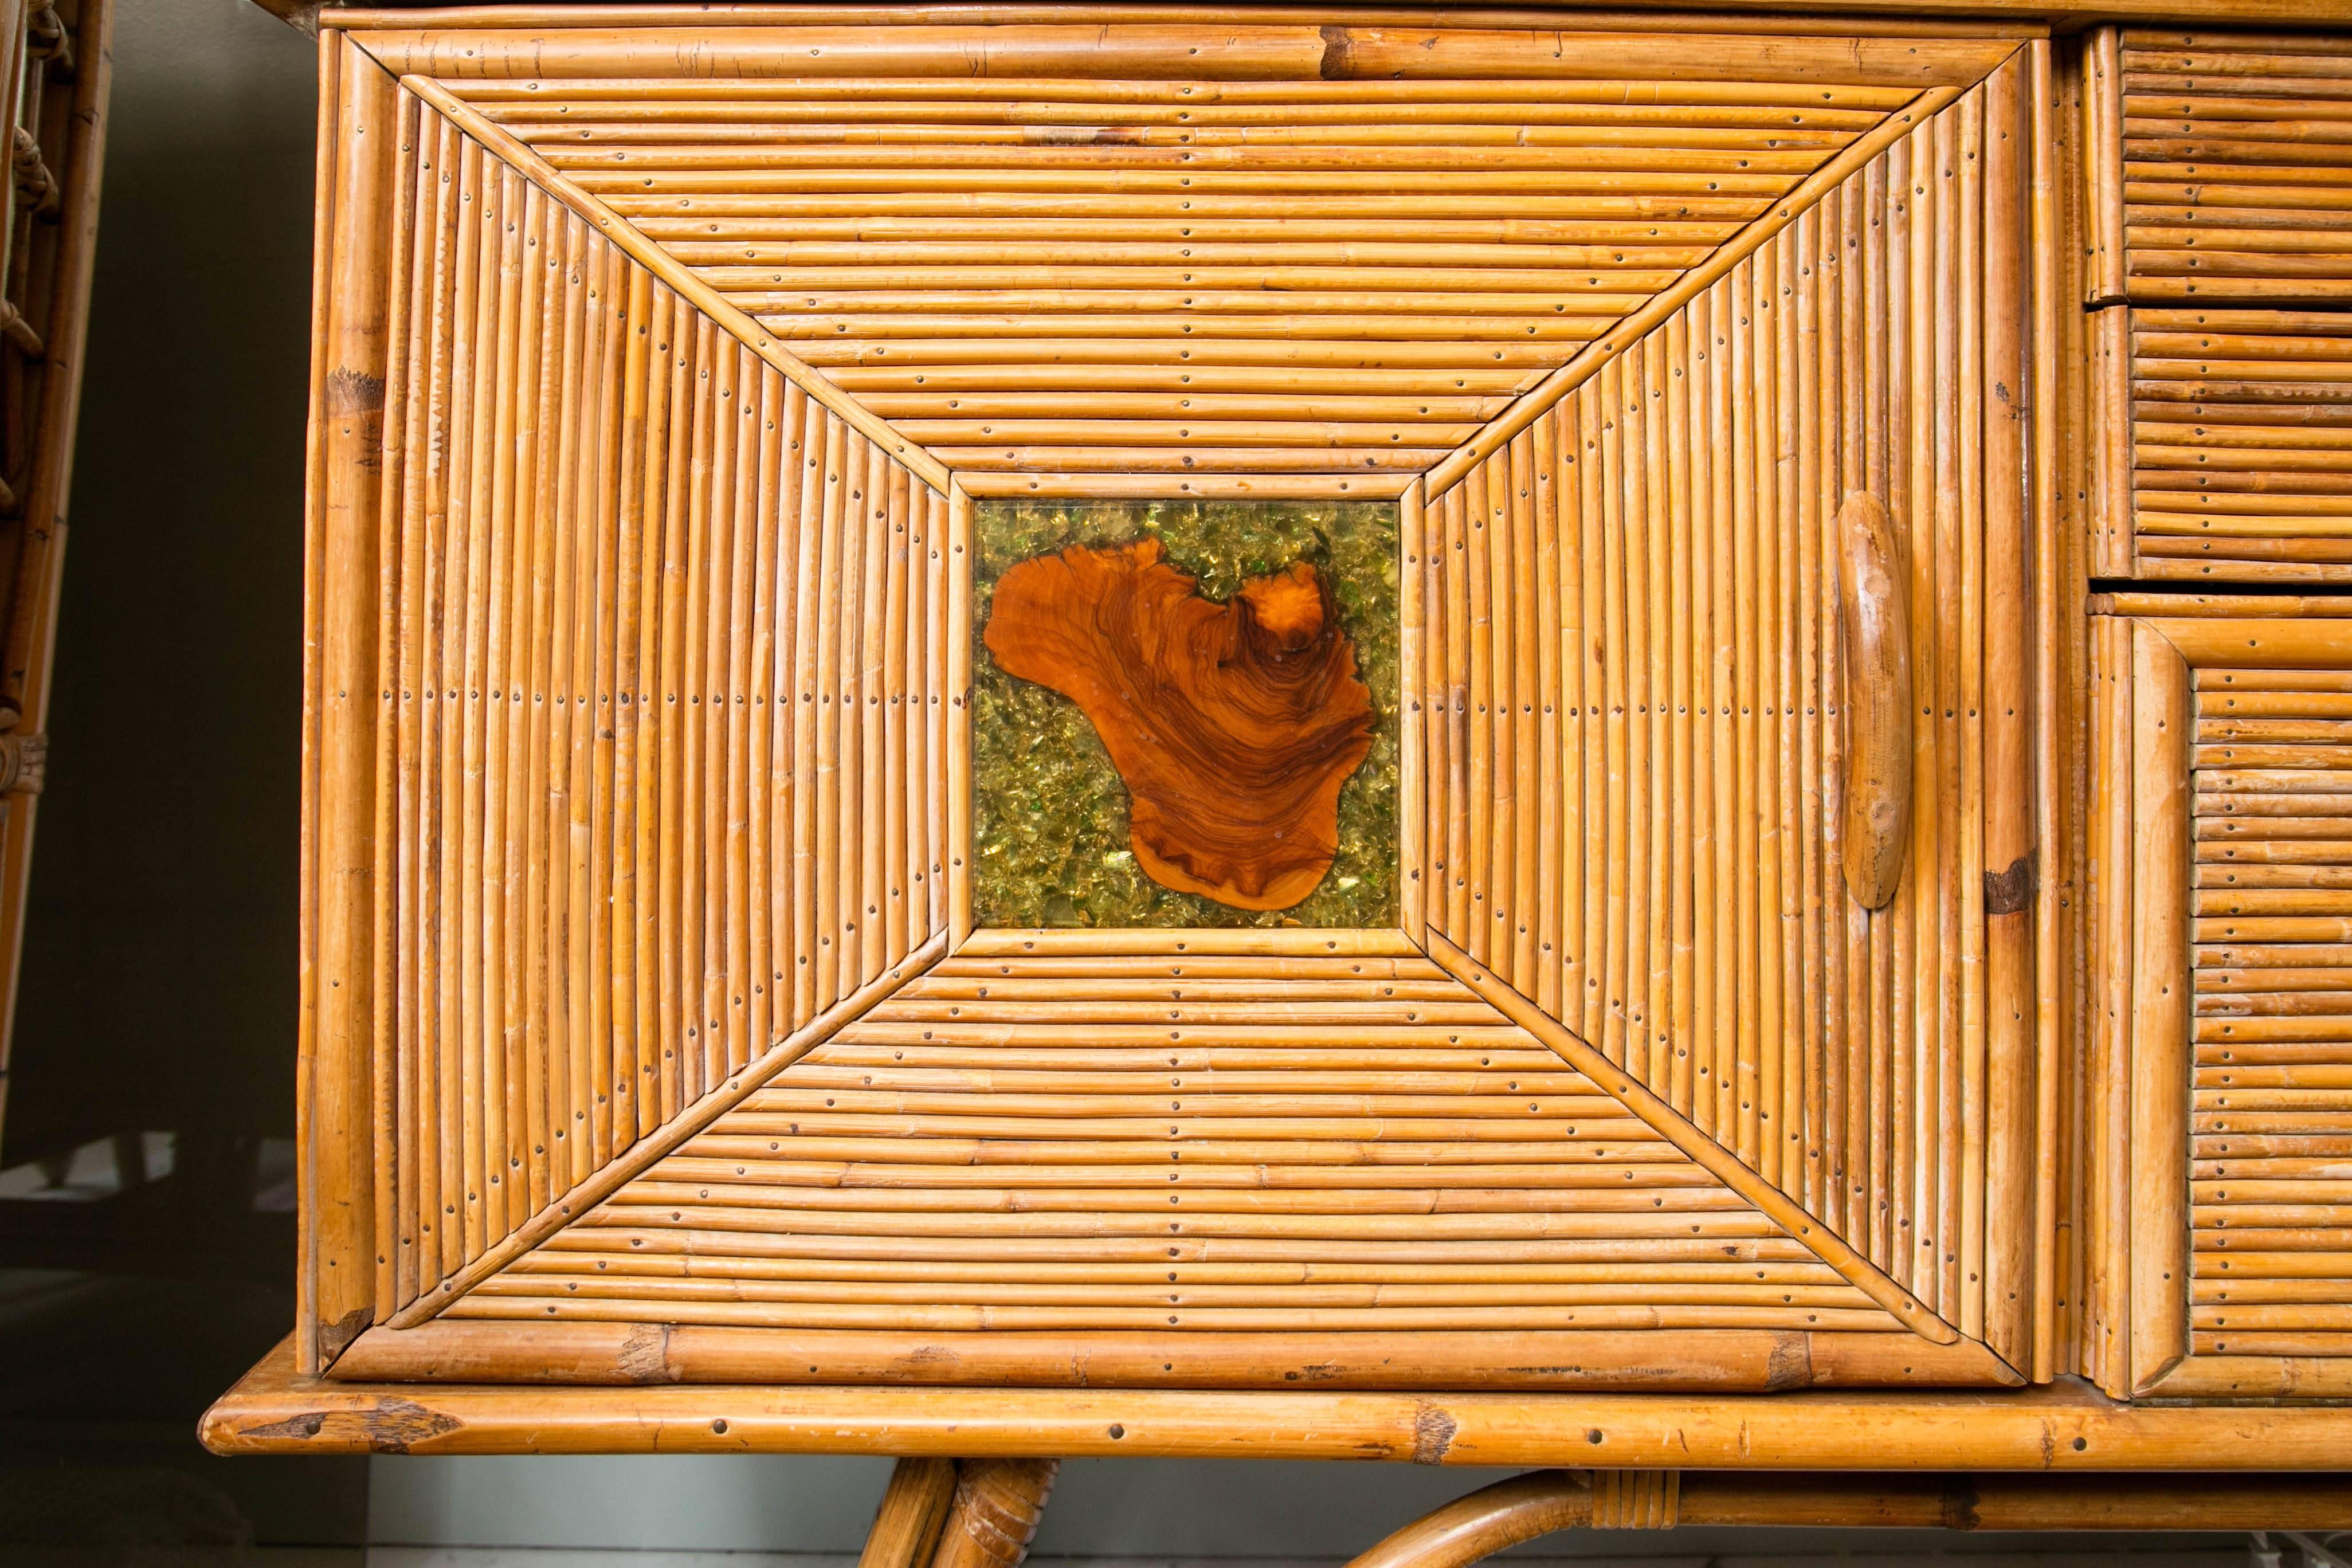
[1184, 713]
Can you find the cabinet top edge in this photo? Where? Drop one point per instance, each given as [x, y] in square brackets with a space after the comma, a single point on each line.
[1969, 18]
[2020, 18]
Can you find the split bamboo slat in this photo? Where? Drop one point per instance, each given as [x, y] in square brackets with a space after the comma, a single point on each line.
[56, 65]
[2241, 439]
[1125, 251]
[660, 697]
[1149, 1140]
[1693, 924]
[2271, 1136]
[2060, 541]
[2220, 200]
[2215, 1236]
[2236, 174]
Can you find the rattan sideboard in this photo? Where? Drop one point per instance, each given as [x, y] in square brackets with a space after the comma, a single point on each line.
[1567, 737]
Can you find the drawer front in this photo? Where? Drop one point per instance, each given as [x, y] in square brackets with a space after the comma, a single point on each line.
[2220, 230]
[790, 899]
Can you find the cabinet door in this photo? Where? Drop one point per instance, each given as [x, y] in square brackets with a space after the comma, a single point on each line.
[2221, 957]
[2214, 1126]
[1136, 703]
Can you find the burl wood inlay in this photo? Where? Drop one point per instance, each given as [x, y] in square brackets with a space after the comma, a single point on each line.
[1233, 725]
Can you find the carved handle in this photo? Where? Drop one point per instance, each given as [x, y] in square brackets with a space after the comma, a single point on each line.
[1874, 603]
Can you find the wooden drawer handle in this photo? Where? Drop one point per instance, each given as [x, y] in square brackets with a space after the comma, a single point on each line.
[1875, 607]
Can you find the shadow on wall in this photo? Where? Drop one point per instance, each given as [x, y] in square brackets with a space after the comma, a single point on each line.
[1161, 1513]
[148, 1255]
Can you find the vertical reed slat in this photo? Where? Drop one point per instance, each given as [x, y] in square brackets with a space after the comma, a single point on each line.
[1965, 1274]
[392, 1114]
[1681, 1021]
[2012, 700]
[808, 616]
[1413, 731]
[874, 540]
[1551, 832]
[896, 859]
[1522, 914]
[960, 564]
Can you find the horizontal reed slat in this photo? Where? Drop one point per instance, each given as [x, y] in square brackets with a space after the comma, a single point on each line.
[2270, 1141]
[1492, 220]
[1024, 1167]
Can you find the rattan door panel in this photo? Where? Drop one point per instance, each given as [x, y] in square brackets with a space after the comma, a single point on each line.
[2218, 950]
[646, 1020]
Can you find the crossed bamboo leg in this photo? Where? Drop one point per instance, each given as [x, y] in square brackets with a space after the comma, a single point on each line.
[958, 1513]
[983, 1513]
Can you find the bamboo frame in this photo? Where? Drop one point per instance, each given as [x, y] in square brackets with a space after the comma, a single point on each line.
[1867, 14]
[2149, 1251]
[913, 1511]
[622, 1354]
[2066, 1429]
[2159, 1071]
[1701, 531]
[336, 1175]
[2105, 263]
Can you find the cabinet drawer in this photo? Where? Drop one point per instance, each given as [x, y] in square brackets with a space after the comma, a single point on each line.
[2220, 235]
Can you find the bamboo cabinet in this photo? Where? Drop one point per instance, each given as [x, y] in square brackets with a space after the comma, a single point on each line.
[1041, 731]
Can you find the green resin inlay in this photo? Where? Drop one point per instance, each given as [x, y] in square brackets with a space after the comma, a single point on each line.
[1049, 811]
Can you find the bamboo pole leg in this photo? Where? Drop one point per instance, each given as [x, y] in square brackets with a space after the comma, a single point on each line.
[914, 1510]
[994, 1513]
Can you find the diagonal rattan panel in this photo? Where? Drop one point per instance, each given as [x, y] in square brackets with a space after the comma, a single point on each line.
[1629, 664]
[1189, 1143]
[666, 700]
[1137, 261]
